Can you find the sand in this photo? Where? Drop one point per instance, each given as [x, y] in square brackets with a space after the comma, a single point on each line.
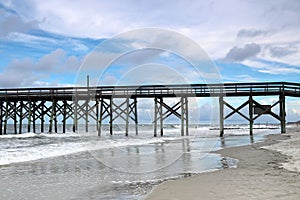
[260, 175]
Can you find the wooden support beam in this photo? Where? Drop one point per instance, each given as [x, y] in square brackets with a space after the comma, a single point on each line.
[87, 116]
[158, 109]
[75, 120]
[236, 110]
[155, 116]
[20, 116]
[97, 114]
[1, 117]
[282, 113]
[19, 105]
[64, 115]
[172, 110]
[186, 116]
[119, 111]
[161, 117]
[104, 113]
[34, 116]
[106, 110]
[182, 115]
[29, 116]
[221, 107]
[5, 118]
[127, 117]
[280, 117]
[53, 117]
[14, 110]
[42, 106]
[267, 111]
[47, 111]
[169, 110]
[135, 116]
[251, 115]
[101, 116]
[124, 110]
[111, 116]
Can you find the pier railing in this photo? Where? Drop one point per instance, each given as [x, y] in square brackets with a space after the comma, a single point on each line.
[199, 90]
[87, 104]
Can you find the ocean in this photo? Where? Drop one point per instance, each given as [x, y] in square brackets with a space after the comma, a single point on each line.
[84, 166]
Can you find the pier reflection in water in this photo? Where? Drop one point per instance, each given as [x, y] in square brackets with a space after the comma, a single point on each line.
[125, 172]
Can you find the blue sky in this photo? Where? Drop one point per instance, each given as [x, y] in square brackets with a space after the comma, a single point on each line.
[44, 43]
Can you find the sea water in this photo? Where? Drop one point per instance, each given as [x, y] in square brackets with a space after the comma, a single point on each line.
[84, 166]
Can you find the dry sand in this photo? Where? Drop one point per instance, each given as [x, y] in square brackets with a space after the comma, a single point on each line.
[259, 175]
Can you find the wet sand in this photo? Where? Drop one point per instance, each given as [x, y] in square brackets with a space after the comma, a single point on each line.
[259, 175]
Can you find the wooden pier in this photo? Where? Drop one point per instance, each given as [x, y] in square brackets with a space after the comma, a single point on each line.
[32, 106]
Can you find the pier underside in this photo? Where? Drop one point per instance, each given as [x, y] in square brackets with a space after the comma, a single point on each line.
[96, 105]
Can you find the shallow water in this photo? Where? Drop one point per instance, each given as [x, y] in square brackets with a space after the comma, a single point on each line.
[77, 166]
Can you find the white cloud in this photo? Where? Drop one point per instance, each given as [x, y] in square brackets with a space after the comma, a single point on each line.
[11, 22]
[250, 33]
[245, 78]
[288, 53]
[57, 62]
[30, 39]
[213, 24]
[271, 68]
[119, 55]
[243, 53]
[27, 72]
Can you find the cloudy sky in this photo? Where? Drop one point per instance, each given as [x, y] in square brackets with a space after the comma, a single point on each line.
[44, 43]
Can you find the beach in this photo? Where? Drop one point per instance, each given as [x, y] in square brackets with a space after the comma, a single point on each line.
[59, 166]
[262, 173]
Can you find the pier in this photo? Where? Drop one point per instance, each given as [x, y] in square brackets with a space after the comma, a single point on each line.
[32, 106]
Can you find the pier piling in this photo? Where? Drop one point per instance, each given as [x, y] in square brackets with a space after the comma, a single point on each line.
[97, 104]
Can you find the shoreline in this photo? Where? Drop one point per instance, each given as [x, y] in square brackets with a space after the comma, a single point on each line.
[259, 175]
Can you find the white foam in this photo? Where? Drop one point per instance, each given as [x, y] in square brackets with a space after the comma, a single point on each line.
[30, 134]
[14, 150]
[23, 135]
[111, 143]
[24, 154]
[16, 153]
[290, 147]
[57, 135]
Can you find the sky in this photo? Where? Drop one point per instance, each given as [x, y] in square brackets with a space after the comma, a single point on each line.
[50, 43]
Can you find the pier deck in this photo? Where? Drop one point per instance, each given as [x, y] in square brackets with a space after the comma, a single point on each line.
[32, 105]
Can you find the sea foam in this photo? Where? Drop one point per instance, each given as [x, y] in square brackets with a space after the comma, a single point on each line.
[290, 147]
